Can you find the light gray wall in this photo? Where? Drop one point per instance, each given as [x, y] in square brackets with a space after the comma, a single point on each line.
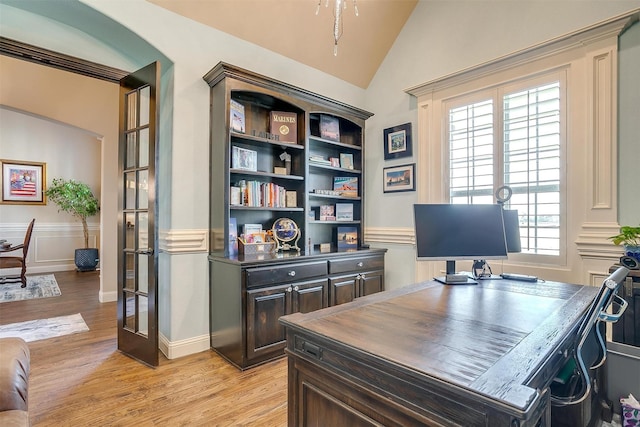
[629, 127]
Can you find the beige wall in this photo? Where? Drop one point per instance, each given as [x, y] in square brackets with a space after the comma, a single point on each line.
[84, 103]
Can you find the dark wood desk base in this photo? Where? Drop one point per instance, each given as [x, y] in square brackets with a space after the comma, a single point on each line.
[395, 365]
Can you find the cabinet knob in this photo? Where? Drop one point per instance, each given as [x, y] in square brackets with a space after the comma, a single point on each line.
[296, 288]
[292, 273]
[362, 276]
[360, 264]
[289, 289]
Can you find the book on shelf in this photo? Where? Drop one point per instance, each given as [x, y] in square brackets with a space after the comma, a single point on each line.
[285, 125]
[346, 238]
[346, 185]
[234, 196]
[329, 128]
[233, 236]
[244, 159]
[237, 116]
[346, 160]
[327, 213]
[344, 211]
[335, 162]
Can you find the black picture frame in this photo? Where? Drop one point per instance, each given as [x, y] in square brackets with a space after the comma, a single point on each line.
[399, 178]
[397, 142]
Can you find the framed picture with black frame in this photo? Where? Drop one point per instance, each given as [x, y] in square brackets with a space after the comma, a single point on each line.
[399, 178]
[397, 142]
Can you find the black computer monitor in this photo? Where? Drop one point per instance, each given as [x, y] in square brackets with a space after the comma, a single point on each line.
[451, 232]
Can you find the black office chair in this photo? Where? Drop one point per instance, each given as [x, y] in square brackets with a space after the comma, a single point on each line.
[18, 261]
[590, 345]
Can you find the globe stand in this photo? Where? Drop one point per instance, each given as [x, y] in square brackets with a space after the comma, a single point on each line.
[285, 231]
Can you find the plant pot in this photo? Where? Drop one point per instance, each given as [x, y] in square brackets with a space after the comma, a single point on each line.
[86, 259]
[633, 252]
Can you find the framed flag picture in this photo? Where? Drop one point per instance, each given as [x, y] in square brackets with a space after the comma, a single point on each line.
[23, 183]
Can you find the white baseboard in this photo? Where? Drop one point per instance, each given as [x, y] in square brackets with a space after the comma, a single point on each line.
[176, 349]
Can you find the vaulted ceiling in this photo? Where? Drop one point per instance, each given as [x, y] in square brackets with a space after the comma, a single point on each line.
[291, 28]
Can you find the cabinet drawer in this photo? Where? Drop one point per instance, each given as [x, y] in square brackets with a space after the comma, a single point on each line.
[345, 265]
[285, 273]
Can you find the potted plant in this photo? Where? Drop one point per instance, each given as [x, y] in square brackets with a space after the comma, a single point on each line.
[629, 237]
[77, 199]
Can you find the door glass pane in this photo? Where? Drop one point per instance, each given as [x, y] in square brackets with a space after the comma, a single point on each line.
[143, 189]
[143, 231]
[129, 275]
[130, 152]
[130, 190]
[144, 148]
[130, 311]
[143, 273]
[129, 231]
[143, 315]
[144, 105]
[130, 101]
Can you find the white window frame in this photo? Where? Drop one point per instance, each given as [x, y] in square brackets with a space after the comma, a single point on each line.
[496, 93]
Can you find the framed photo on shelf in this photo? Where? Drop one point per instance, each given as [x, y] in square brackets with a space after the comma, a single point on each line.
[347, 238]
[346, 186]
[237, 116]
[327, 213]
[344, 211]
[399, 178]
[244, 159]
[23, 183]
[329, 128]
[397, 142]
[346, 160]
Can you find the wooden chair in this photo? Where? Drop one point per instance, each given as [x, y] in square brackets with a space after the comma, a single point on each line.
[18, 261]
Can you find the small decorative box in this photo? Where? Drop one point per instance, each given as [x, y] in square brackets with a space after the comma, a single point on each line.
[255, 248]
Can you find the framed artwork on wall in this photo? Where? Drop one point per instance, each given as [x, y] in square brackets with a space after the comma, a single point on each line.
[399, 178]
[397, 142]
[23, 183]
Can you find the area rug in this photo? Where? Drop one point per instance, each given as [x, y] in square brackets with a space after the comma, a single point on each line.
[35, 330]
[37, 287]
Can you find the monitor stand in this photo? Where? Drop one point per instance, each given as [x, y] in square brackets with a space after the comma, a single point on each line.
[451, 278]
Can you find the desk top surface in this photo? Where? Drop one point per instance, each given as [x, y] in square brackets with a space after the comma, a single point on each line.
[489, 338]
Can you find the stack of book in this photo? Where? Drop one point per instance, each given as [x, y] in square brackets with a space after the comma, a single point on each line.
[319, 160]
[258, 194]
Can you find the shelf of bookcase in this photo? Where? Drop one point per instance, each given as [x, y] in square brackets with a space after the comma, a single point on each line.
[265, 174]
[317, 221]
[263, 208]
[327, 196]
[335, 143]
[333, 168]
[259, 140]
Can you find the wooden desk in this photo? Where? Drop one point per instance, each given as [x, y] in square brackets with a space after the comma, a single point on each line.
[433, 354]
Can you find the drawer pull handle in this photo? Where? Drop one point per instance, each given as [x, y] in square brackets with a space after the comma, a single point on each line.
[289, 289]
[292, 273]
[362, 276]
[312, 350]
[296, 288]
[360, 264]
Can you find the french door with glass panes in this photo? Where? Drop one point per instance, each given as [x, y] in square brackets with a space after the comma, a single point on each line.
[137, 278]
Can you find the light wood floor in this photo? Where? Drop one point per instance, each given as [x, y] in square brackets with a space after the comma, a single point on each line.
[83, 380]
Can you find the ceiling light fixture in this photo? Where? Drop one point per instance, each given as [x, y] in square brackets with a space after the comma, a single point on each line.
[338, 7]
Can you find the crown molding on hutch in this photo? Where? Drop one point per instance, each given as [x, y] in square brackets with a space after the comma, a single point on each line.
[183, 241]
[405, 236]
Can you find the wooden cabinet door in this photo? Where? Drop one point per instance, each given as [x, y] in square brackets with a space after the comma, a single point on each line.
[343, 289]
[265, 306]
[310, 296]
[371, 283]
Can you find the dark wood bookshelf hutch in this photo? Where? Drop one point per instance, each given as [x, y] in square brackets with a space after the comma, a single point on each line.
[249, 292]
